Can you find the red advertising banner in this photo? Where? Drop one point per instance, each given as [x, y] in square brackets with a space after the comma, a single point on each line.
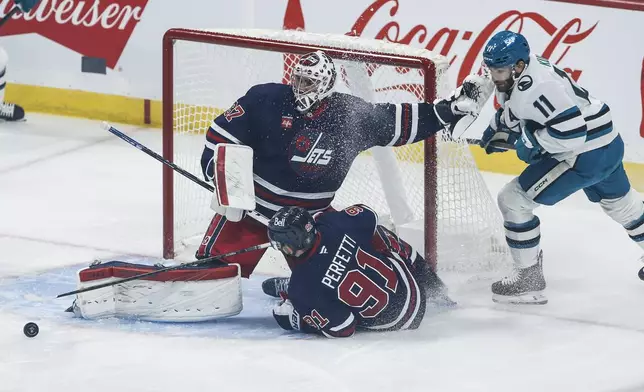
[92, 28]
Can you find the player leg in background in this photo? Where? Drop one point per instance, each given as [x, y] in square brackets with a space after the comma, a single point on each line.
[621, 202]
[8, 111]
[546, 183]
[223, 236]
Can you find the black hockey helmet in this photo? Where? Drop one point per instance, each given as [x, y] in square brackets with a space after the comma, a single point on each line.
[292, 231]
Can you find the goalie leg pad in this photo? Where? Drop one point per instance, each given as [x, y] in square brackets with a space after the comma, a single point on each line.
[224, 236]
[183, 295]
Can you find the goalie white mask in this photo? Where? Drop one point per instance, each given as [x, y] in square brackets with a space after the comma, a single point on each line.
[312, 80]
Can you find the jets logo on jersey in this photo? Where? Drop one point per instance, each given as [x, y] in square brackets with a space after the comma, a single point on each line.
[524, 83]
[311, 152]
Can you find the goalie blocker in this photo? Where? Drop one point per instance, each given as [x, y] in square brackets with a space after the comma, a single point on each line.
[197, 293]
[233, 179]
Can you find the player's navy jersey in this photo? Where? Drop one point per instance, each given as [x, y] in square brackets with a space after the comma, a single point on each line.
[302, 159]
[568, 120]
[344, 282]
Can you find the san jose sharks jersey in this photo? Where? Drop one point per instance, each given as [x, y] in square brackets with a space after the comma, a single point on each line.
[564, 118]
[357, 275]
[302, 159]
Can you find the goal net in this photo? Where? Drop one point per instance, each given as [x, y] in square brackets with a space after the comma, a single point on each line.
[431, 192]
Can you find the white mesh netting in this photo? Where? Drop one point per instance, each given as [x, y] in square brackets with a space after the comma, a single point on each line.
[209, 77]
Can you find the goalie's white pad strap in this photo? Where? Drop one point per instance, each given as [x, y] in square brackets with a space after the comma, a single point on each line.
[185, 295]
[234, 186]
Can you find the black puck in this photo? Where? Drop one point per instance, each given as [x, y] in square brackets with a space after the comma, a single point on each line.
[31, 330]
[641, 273]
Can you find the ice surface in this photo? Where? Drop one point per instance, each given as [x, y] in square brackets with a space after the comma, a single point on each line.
[71, 192]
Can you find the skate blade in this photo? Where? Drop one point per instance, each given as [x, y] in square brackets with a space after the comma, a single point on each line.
[530, 298]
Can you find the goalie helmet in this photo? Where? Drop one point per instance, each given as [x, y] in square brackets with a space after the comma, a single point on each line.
[312, 79]
[292, 231]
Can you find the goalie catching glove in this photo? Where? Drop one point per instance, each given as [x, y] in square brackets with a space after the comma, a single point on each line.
[462, 107]
[231, 170]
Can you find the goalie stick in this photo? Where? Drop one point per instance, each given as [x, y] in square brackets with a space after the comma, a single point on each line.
[253, 214]
[182, 265]
[11, 13]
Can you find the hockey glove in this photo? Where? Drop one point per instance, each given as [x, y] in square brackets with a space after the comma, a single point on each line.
[286, 316]
[528, 149]
[26, 5]
[497, 131]
[230, 167]
[462, 107]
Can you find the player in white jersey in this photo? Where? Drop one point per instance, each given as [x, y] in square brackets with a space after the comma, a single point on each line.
[568, 140]
[10, 111]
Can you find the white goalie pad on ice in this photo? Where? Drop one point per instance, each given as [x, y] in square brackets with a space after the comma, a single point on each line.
[183, 295]
[233, 176]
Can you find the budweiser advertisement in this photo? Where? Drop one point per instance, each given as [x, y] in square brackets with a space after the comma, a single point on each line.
[597, 46]
[94, 29]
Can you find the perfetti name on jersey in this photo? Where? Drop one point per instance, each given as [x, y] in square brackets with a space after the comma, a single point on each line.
[338, 266]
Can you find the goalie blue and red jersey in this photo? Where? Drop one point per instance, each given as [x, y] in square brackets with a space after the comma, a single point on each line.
[302, 159]
[357, 275]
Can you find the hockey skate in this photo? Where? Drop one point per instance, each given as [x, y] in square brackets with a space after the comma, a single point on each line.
[522, 286]
[274, 286]
[11, 112]
[437, 293]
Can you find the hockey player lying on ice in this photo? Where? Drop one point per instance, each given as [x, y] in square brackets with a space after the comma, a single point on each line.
[348, 272]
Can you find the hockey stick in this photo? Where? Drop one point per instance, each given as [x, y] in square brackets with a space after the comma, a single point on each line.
[501, 145]
[182, 265]
[11, 13]
[255, 215]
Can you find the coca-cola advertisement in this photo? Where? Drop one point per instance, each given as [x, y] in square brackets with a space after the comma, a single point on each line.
[46, 45]
[584, 41]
